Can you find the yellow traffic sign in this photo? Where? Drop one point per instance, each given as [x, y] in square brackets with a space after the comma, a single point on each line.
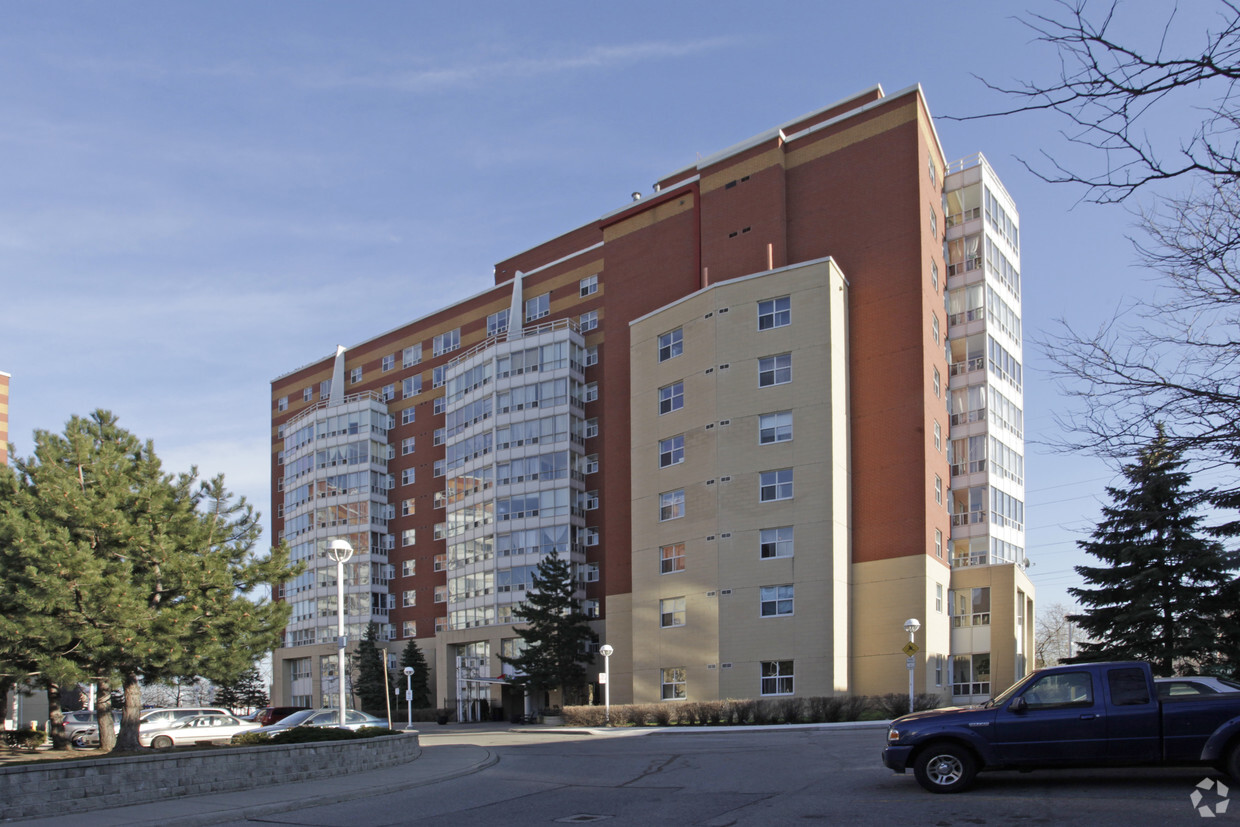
[911, 648]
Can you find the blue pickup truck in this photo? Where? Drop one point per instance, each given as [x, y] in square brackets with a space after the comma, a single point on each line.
[1089, 714]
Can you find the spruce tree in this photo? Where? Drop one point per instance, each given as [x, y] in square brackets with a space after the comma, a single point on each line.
[247, 692]
[370, 686]
[420, 681]
[123, 573]
[556, 633]
[1164, 589]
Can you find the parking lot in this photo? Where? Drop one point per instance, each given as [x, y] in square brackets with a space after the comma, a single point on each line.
[790, 776]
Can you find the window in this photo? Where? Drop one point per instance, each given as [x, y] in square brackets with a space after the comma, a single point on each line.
[409, 628]
[589, 464]
[440, 531]
[439, 406]
[437, 376]
[776, 542]
[411, 386]
[446, 342]
[408, 476]
[775, 370]
[938, 384]
[588, 536]
[325, 389]
[1061, 691]
[409, 537]
[389, 392]
[934, 223]
[589, 320]
[590, 392]
[672, 451]
[775, 485]
[497, 323]
[776, 677]
[441, 562]
[537, 307]
[408, 415]
[438, 436]
[409, 568]
[440, 467]
[775, 313]
[933, 172]
[282, 403]
[590, 429]
[589, 501]
[938, 489]
[407, 445]
[355, 375]
[934, 327]
[411, 356]
[409, 598]
[671, 397]
[441, 624]
[672, 612]
[588, 286]
[589, 573]
[938, 597]
[938, 670]
[389, 362]
[672, 504]
[776, 600]
[938, 543]
[590, 357]
[672, 680]
[671, 344]
[307, 394]
[934, 274]
[970, 607]
[672, 558]
[441, 594]
[938, 437]
[774, 427]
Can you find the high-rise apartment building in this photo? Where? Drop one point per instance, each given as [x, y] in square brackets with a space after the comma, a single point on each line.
[769, 411]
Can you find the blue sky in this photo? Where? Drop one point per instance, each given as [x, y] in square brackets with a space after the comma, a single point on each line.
[198, 197]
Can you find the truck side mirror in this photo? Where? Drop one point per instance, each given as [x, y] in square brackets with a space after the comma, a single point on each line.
[1019, 706]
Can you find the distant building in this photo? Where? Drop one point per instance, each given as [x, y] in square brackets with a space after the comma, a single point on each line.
[769, 411]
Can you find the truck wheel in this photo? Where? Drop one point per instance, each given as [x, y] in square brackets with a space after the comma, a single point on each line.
[161, 742]
[945, 768]
[1231, 764]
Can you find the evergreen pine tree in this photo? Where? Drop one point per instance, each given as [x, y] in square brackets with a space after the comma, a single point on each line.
[117, 572]
[1163, 590]
[420, 682]
[247, 692]
[370, 688]
[556, 633]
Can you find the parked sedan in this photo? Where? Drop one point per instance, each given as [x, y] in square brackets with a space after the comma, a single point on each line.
[82, 719]
[1179, 687]
[209, 729]
[354, 719]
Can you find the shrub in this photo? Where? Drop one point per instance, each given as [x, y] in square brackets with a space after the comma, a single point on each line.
[852, 707]
[309, 734]
[895, 704]
[25, 738]
[591, 716]
[635, 714]
[662, 714]
[741, 711]
[763, 712]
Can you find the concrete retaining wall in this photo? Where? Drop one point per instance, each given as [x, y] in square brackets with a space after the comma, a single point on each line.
[65, 786]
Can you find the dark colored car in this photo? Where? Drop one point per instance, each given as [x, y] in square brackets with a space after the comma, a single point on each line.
[271, 714]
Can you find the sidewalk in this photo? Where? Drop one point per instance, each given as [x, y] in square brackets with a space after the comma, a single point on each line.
[438, 764]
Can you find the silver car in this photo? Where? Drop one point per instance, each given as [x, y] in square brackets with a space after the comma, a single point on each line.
[210, 729]
[1189, 685]
[149, 719]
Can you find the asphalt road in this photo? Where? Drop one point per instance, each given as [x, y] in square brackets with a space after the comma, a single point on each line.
[749, 778]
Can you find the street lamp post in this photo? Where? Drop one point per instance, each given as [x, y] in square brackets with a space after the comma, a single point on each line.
[409, 694]
[606, 650]
[911, 626]
[340, 551]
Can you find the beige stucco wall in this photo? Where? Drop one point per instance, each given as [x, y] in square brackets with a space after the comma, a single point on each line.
[725, 639]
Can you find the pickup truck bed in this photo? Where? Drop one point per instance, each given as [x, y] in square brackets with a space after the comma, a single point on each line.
[1093, 714]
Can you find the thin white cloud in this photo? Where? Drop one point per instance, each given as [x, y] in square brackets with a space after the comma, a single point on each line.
[479, 72]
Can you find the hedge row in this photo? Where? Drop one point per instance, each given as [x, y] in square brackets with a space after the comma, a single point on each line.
[832, 709]
[307, 734]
